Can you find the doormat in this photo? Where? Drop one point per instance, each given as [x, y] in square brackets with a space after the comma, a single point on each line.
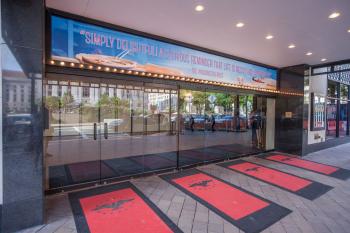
[243, 209]
[300, 186]
[118, 208]
[324, 169]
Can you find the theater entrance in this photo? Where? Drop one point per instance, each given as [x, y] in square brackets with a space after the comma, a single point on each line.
[98, 130]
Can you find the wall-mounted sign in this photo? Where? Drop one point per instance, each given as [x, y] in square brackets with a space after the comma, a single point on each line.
[341, 77]
[78, 42]
[321, 70]
[288, 114]
[318, 112]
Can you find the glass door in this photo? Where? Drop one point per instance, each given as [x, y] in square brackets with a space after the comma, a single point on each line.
[219, 137]
[122, 122]
[138, 131]
[258, 122]
[71, 143]
[192, 121]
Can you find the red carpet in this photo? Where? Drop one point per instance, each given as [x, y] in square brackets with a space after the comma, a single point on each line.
[118, 208]
[324, 169]
[295, 184]
[243, 209]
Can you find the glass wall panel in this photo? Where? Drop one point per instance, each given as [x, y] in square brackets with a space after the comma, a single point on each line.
[343, 117]
[344, 92]
[160, 142]
[332, 90]
[344, 108]
[71, 145]
[331, 129]
[221, 139]
[192, 120]
[121, 109]
[243, 112]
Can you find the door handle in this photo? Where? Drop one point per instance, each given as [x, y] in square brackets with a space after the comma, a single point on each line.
[95, 131]
[106, 130]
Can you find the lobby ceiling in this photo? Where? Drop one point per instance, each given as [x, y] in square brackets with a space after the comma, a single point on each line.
[304, 23]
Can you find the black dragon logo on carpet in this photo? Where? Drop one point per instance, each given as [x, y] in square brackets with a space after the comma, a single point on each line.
[114, 206]
[201, 184]
[252, 169]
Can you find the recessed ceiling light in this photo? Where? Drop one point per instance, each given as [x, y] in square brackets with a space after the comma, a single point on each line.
[240, 24]
[199, 8]
[308, 53]
[334, 15]
[324, 59]
[269, 37]
[349, 30]
[291, 46]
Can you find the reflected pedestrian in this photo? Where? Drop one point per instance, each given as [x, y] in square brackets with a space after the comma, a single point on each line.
[212, 123]
[191, 123]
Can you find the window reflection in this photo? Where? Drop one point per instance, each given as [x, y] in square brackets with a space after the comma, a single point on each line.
[331, 118]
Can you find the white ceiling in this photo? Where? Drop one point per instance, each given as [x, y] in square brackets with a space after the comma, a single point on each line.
[302, 22]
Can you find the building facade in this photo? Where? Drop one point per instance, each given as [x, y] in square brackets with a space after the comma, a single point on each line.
[72, 120]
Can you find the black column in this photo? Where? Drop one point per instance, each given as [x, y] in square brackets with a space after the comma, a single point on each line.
[22, 72]
[289, 131]
[338, 111]
[238, 125]
[348, 113]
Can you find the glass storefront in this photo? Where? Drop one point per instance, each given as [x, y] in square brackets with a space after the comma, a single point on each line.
[105, 129]
[337, 110]
[102, 130]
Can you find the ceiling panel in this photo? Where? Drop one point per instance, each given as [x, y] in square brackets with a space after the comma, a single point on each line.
[302, 22]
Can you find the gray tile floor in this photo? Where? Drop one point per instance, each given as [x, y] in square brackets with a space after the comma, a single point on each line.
[328, 213]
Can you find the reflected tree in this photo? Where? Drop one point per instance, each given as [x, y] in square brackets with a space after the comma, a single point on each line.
[225, 100]
[66, 101]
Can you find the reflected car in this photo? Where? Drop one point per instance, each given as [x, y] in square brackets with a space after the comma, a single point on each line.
[113, 122]
[199, 119]
[20, 123]
[19, 131]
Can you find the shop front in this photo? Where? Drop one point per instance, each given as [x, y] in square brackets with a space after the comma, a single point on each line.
[328, 88]
[120, 103]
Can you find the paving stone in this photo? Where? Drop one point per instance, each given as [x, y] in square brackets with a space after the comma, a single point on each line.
[328, 213]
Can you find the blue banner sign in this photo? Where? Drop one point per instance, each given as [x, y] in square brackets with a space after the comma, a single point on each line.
[75, 41]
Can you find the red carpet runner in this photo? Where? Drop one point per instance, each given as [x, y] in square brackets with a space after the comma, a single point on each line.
[118, 208]
[300, 186]
[320, 168]
[243, 209]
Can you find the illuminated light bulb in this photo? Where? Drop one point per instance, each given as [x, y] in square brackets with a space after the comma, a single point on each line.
[269, 37]
[240, 25]
[99, 67]
[90, 67]
[72, 64]
[334, 15]
[62, 63]
[199, 8]
[52, 62]
[81, 66]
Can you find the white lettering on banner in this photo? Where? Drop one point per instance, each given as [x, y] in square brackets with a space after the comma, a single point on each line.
[102, 46]
[342, 77]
